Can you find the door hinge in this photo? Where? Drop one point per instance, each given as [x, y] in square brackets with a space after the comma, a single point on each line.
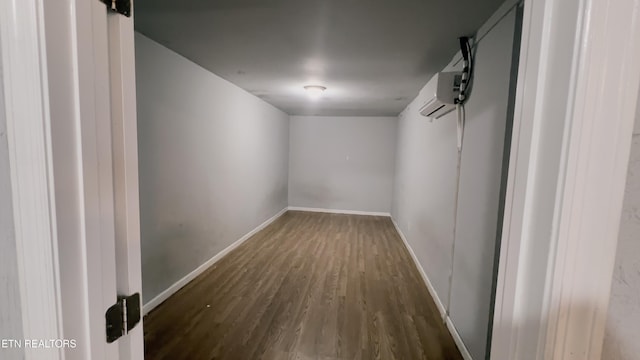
[120, 6]
[123, 316]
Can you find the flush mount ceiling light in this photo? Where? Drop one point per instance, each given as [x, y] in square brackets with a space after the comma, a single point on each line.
[315, 91]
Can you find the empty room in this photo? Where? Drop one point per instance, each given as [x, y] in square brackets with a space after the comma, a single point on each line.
[319, 179]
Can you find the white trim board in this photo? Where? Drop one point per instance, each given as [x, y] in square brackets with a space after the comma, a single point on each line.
[441, 308]
[425, 278]
[575, 104]
[458, 340]
[160, 298]
[336, 211]
[26, 100]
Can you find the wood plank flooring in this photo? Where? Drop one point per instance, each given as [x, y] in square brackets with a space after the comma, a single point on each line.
[309, 286]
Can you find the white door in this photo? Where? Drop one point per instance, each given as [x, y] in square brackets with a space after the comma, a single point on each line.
[113, 46]
[93, 117]
[125, 172]
[69, 86]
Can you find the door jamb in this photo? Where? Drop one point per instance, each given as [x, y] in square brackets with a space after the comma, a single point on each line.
[26, 96]
[562, 217]
[27, 77]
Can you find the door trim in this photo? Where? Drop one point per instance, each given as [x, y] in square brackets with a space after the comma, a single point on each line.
[31, 167]
[575, 108]
[70, 55]
[124, 127]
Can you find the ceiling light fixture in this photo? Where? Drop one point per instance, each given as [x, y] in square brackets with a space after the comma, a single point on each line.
[315, 91]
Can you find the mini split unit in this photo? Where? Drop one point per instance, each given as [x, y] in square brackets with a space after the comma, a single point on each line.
[441, 92]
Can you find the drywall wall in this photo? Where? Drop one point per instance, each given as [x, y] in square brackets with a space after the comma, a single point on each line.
[424, 191]
[213, 164]
[10, 311]
[426, 182]
[343, 163]
[623, 321]
[481, 172]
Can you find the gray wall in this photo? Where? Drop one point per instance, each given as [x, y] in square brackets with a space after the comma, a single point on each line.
[480, 186]
[213, 164]
[10, 312]
[426, 183]
[424, 190]
[343, 163]
[623, 323]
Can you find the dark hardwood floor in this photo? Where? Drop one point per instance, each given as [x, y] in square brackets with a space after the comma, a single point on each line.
[309, 286]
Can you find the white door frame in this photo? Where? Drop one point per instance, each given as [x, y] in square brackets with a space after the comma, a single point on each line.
[125, 171]
[31, 166]
[77, 207]
[575, 109]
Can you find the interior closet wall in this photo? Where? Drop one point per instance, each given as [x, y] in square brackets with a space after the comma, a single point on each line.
[342, 163]
[213, 164]
[426, 185]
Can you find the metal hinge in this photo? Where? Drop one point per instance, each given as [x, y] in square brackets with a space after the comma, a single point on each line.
[123, 316]
[120, 6]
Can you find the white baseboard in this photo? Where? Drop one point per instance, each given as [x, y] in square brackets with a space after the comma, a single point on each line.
[425, 278]
[202, 268]
[458, 340]
[441, 308]
[335, 211]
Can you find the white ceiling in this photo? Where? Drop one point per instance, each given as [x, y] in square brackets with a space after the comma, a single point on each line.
[372, 55]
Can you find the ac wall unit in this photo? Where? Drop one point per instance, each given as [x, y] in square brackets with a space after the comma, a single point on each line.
[441, 92]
